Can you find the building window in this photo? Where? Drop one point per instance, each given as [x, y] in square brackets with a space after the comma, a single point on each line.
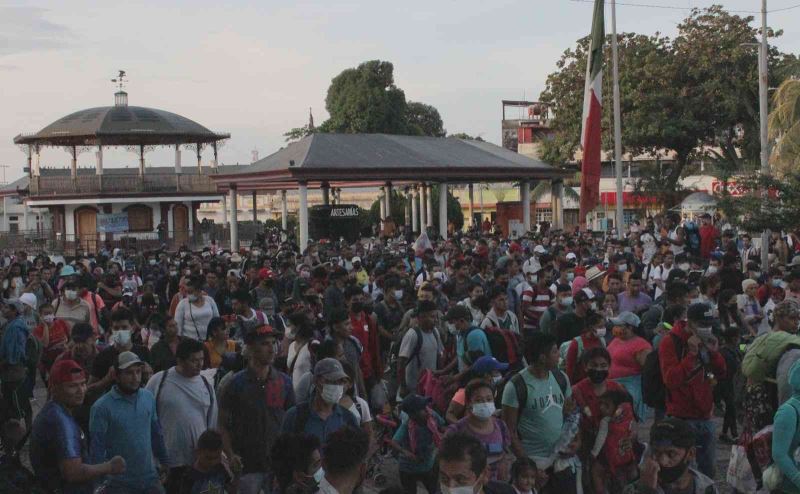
[140, 218]
[544, 214]
[13, 224]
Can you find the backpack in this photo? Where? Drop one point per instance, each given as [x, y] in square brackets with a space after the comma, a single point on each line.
[504, 344]
[564, 348]
[521, 388]
[654, 392]
[692, 235]
[762, 356]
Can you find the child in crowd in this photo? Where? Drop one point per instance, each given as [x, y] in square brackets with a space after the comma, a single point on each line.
[417, 439]
[208, 473]
[525, 477]
[616, 427]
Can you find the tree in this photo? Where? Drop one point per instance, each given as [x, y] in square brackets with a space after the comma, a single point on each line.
[784, 127]
[365, 100]
[753, 212]
[398, 204]
[466, 137]
[424, 120]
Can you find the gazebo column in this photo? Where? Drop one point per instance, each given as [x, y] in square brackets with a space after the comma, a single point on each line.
[74, 170]
[557, 219]
[37, 156]
[414, 209]
[382, 206]
[199, 159]
[471, 206]
[429, 205]
[98, 167]
[214, 163]
[224, 203]
[284, 211]
[326, 193]
[423, 208]
[407, 209]
[30, 160]
[525, 202]
[141, 160]
[255, 206]
[177, 159]
[234, 219]
[388, 199]
[442, 209]
[338, 195]
[302, 190]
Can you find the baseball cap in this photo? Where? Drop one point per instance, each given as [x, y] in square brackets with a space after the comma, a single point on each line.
[355, 259]
[127, 359]
[66, 371]
[458, 312]
[539, 249]
[487, 365]
[700, 313]
[28, 299]
[329, 368]
[583, 295]
[254, 334]
[672, 432]
[414, 403]
[264, 273]
[626, 319]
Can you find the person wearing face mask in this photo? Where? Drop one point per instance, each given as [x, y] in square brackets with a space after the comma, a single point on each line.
[252, 406]
[473, 303]
[571, 324]
[690, 361]
[365, 329]
[750, 310]
[120, 340]
[587, 391]
[628, 354]
[53, 334]
[487, 369]
[482, 423]
[69, 307]
[592, 337]
[666, 468]
[562, 303]
[343, 461]
[389, 313]
[323, 415]
[194, 312]
[464, 467]
[536, 298]
[297, 463]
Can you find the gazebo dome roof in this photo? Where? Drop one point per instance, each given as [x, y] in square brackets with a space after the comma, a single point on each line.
[121, 125]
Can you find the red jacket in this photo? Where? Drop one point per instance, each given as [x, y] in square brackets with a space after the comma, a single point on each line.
[690, 394]
[365, 329]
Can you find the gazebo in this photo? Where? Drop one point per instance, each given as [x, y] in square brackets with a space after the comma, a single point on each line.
[132, 201]
[332, 161]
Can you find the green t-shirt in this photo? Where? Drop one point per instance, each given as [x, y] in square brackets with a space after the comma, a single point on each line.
[542, 416]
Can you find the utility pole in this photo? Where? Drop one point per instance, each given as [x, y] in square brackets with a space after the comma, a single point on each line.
[617, 122]
[763, 110]
[5, 182]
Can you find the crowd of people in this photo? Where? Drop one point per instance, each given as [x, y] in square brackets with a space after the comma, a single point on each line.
[480, 363]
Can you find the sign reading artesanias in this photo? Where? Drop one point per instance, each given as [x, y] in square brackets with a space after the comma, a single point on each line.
[344, 212]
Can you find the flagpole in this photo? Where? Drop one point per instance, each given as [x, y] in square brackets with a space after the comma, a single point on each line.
[617, 122]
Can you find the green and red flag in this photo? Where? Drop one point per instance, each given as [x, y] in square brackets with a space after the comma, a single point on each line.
[592, 115]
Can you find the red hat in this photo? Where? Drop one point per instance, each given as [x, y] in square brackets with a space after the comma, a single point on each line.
[264, 273]
[515, 247]
[66, 371]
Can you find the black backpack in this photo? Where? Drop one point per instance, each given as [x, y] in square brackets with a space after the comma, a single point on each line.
[654, 392]
[504, 344]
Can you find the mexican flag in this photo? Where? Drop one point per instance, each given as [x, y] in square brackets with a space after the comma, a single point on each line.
[592, 116]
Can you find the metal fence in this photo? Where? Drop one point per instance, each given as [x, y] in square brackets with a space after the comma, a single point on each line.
[156, 183]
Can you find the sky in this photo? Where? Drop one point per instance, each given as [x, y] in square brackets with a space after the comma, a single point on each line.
[253, 69]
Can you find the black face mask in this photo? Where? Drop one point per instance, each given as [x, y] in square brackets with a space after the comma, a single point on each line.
[668, 475]
[597, 375]
[357, 307]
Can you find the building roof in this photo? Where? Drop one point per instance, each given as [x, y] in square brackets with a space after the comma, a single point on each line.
[359, 157]
[14, 187]
[121, 125]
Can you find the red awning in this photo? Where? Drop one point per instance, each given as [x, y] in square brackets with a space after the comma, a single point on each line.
[628, 199]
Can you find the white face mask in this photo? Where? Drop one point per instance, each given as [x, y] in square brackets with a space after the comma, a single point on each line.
[192, 298]
[49, 318]
[566, 301]
[122, 337]
[319, 475]
[622, 268]
[70, 294]
[483, 410]
[711, 270]
[594, 306]
[398, 294]
[600, 332]
[684, 267]
[704, 332]
[497, 380]
[332, 393]
[462, 489]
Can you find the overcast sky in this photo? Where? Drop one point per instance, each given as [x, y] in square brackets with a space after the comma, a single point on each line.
[254, 68]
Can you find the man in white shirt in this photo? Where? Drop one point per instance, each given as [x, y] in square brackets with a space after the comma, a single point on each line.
[660, 274]
[499, 316]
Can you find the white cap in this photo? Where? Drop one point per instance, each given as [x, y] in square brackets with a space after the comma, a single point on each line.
[539, 249]
[29, 299]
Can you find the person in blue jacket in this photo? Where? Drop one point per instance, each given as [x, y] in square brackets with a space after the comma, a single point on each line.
[786, 435]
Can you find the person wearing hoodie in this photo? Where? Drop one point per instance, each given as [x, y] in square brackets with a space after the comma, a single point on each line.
[691, 364]
[786, 435]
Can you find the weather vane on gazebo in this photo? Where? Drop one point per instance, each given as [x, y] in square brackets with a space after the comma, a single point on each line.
[120, 80]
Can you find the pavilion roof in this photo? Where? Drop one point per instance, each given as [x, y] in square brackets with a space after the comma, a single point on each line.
[373, 158]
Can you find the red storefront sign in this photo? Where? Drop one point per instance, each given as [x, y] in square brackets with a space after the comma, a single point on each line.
[628, 199]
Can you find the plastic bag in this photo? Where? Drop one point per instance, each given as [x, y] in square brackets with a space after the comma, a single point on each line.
[740, 474]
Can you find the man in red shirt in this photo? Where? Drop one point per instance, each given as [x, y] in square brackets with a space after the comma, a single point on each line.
[365, 329]
[690, 366]
[708, 236]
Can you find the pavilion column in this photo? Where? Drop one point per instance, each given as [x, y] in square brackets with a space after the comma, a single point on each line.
[442, 209]
[407, 209]
[99, 161]
[429, 204]
[214, 163]
[303, 215]
[525, 202]
[255, 207]
[414, 209]
[74, 170]
[284, 211]
[234, 219]
[199, 158]
[423, 207]
[388, 198]
[556, 189]
[471, 206]
[382, 206]
[326, 193]
[30, 160]
[339, 195]
[141, 160]
[37, 156]
[225, 211]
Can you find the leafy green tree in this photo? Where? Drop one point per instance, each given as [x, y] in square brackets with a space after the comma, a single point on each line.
[466, 137]
[754, 212]
[398, 204]
[784, 127]
[424, 120]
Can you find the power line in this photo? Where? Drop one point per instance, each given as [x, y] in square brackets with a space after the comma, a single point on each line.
[672, 7]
